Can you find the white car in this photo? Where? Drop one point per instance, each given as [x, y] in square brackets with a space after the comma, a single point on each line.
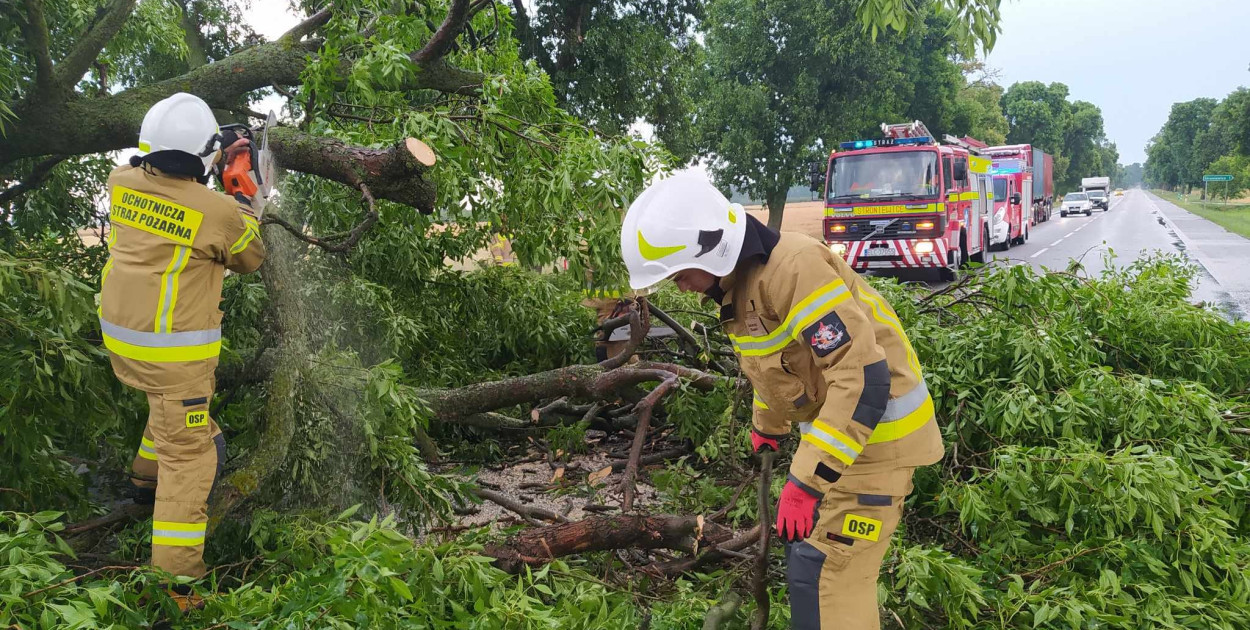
[1076, 203]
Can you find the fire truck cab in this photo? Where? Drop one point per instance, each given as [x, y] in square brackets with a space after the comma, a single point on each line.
[904, 201]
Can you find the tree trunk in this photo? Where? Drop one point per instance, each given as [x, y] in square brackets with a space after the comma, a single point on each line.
[282, 284]
[540, 545]
[776, 200]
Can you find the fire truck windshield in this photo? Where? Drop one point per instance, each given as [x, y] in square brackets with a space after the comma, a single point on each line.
[889, 175]
[1000, 189]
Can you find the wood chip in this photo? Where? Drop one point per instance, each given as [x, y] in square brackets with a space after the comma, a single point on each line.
[599, 475]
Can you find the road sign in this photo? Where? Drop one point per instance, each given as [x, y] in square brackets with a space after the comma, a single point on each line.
[1217, 178]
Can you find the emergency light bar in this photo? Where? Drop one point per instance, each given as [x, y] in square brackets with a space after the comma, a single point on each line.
[885, 142]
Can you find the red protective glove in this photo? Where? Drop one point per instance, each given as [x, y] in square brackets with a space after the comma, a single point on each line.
[795, 512]
[758, 441]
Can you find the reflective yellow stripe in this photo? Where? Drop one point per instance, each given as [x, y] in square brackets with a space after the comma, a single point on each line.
[905, 426]
[147, 449]
[884, 314]
[104, 275]
[810, 309]
[759, 402]
[169, 289]
[249, 233]
[840, 436]
[174, 534]
[843, 457]
[162, 355]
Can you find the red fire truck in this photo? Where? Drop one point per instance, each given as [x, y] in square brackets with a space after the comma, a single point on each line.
[904, 201]
[1029, 171]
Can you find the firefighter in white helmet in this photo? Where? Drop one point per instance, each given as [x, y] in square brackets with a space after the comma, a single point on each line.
[822, 349]
[171, 240]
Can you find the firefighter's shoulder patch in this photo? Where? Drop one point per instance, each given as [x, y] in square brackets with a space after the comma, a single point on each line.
[827, 334]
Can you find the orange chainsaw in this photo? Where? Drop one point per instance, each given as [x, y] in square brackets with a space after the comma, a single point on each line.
[250, 171]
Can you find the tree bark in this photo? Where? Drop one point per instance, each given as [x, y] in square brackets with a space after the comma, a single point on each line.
[396, 173]
[95, 125]
[282, 283]
[776, 200]
[540, 545]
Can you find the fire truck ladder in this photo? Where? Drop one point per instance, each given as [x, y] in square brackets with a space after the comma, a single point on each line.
[960, 142]
[913, 129]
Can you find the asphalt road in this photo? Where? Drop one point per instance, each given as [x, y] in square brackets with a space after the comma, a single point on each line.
[1134, 227]
[1138, 224]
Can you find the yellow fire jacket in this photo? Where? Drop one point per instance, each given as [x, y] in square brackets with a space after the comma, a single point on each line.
[170, 242]
[823, 349]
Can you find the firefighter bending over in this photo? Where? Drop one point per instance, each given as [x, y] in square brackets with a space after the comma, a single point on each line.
[822, 349]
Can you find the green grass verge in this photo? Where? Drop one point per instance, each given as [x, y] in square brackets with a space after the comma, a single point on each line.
[1234, 217]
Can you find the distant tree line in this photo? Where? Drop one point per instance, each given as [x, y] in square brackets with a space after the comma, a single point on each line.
[1204, 136]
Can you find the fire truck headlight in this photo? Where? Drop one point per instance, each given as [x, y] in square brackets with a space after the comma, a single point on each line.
[924, 247]
[838, 248]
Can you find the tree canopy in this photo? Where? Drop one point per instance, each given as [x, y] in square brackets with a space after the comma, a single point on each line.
[1201, 137]
[1071, 131]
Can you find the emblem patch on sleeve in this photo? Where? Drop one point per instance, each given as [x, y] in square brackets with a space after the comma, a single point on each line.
[827, 334]
[861, 527]
[197, 419]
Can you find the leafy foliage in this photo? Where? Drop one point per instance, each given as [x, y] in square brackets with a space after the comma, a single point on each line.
[1071, 131]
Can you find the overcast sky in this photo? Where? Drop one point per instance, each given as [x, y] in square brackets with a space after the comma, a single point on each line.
[1131, 58]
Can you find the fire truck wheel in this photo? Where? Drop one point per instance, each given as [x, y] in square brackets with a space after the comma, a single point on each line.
[946, 274]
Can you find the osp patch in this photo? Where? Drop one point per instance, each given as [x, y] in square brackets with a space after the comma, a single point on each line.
[861, 527]
[197, 419]
[827, 334]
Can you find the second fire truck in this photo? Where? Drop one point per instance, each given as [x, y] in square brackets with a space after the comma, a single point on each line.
[905, 201]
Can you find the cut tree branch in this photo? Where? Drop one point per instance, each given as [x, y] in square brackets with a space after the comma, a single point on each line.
[108, 22]
[532, 513]
[440, 43]
[538, 546]
[309, 25]
[331, 244]
[643, 408]
[396, 173]
[759, 575]
[35, 179]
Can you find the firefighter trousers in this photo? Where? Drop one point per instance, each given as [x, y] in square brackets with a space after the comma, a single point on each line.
[180, 454]
[832, 574]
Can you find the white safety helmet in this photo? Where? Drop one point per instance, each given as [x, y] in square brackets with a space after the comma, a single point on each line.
[182, 122]
[681, 223]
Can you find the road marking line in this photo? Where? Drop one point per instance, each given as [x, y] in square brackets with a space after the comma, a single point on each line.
[1040, 252]
[1069, 234]
[1056, 242]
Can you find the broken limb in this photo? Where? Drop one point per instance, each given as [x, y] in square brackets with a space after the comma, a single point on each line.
[531, 513]
[643, 409]
[540, 545]
[759, 574]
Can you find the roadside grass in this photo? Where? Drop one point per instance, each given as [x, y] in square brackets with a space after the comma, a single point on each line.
[1234, 217]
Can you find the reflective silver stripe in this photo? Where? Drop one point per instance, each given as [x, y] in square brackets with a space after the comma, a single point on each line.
[173, 533]
[895, 409]
[164, 321]
[899, 408]
[832, 441]
[160, 340]
[147, 449]
[782, 336]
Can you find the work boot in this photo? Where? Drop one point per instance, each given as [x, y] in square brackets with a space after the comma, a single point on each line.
[185, 597]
